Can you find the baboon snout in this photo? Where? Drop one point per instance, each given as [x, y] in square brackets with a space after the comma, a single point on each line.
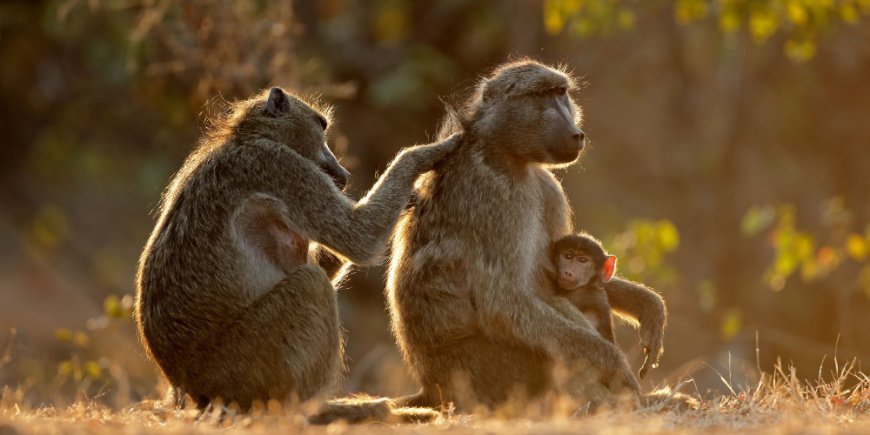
[580, 137]
[330, 165]
[339, 176]
[335, 171]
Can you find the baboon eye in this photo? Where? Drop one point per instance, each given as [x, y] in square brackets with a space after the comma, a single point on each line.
[322, 122]
[583, 259]
[568, 256]
[560, 91]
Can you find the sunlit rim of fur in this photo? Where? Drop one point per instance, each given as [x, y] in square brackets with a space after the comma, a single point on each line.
[220, 126]
[459, 116]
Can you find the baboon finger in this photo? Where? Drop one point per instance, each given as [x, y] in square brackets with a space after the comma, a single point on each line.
[644, 368]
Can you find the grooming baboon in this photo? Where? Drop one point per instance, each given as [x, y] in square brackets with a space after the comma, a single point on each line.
[468, 261]
[227, 304]
[583, 268]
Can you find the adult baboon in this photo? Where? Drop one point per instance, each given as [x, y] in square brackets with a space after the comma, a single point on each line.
[469, 259]
[227, 304]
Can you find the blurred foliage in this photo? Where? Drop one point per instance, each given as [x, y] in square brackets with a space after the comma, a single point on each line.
[813, 257]
[89, 368]
[800, 22]
[641, 250]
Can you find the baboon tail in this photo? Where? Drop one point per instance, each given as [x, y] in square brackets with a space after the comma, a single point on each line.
[361, 409]
[667, 400]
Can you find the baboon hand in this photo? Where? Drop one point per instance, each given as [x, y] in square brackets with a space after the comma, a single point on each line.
[651, 341]
[429, 155]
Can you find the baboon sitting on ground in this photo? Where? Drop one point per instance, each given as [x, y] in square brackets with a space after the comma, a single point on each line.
[469, 259]
[227, 304]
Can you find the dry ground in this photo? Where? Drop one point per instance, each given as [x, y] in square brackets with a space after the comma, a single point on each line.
[780, 403]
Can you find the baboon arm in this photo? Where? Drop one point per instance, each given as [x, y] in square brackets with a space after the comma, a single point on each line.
[635, 301]
[334, 266]
[567, 309]
[357, 231]
[512, 314]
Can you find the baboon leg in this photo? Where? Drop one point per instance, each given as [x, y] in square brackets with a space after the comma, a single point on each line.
[286, 344]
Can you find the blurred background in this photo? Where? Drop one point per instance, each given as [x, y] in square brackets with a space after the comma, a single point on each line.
[729, 164]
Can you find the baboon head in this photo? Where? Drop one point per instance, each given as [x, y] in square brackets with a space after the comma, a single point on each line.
[580, 258]
[288, 120]
[525, 108]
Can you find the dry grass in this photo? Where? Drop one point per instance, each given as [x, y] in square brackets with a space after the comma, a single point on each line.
[779, 403]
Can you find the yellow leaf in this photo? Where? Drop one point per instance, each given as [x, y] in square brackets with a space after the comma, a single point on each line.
[668, 236]
[80, 339]
[554, 20]
[112, 306]
[857, 247]
[65, 368]
[625, 18]
[800, 51]
[762, 24]
[803, 246]
[731, 324]
[797, 13]
[849, 13]
[63, 334]
[93, 369]
[729, 22]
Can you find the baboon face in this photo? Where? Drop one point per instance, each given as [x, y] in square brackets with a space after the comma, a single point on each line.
[579, 259]
[306, 132]
[531, 104]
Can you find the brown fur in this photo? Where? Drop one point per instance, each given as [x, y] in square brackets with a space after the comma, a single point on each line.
[583, 284]
[227, 305]
[468, 261]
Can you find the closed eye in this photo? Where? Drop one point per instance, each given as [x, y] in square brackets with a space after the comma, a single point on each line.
[322, 122]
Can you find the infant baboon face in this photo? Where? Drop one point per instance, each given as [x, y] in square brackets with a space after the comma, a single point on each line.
[580, 258]
[308, 132]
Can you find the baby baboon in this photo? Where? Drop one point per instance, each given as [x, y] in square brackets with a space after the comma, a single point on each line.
[583, 268]
[468, 260]
[227, 304]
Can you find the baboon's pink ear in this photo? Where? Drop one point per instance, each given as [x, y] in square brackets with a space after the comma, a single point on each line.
[609, 268]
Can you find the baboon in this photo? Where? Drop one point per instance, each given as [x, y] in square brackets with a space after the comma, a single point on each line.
[228, 304]
[469, 259]
[583, 268]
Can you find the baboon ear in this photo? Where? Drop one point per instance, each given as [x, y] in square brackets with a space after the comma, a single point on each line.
[608, 269]
[278, 104]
